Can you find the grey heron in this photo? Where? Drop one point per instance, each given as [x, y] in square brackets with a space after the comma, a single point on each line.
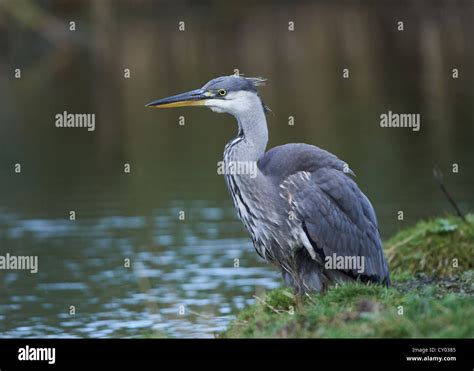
[301, 206]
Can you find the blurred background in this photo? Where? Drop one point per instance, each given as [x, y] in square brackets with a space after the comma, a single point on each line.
[189, 264]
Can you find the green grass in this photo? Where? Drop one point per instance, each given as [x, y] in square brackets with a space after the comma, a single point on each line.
[358, 310]
[437, 298]
[441, 247]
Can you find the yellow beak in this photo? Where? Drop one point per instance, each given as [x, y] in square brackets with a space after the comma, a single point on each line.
[191, 98]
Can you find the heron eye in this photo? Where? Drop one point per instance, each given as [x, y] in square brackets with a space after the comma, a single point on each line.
[222, 92]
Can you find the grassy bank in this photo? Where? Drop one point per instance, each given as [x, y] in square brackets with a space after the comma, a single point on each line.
[432, 294]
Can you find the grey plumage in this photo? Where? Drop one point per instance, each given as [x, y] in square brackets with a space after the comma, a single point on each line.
[302, 206]
[335, 215]
[234, 83]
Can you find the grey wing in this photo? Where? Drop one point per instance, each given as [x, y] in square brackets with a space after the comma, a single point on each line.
[283, 161]
[338, 219]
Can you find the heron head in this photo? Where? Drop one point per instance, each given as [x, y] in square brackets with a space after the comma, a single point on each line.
[231, 94]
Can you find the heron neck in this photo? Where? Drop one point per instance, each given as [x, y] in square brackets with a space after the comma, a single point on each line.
[253, 129]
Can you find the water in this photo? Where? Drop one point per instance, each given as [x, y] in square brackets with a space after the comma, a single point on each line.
[182, 281]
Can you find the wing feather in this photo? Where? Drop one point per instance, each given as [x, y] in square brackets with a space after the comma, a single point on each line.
[337, 216]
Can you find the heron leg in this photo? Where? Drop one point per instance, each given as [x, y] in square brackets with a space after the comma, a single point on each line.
[298, 293]
[299, 300]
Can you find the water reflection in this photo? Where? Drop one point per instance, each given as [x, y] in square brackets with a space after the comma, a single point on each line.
[190, 289]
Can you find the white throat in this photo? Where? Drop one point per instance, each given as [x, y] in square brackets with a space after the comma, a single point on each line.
[247, 108]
